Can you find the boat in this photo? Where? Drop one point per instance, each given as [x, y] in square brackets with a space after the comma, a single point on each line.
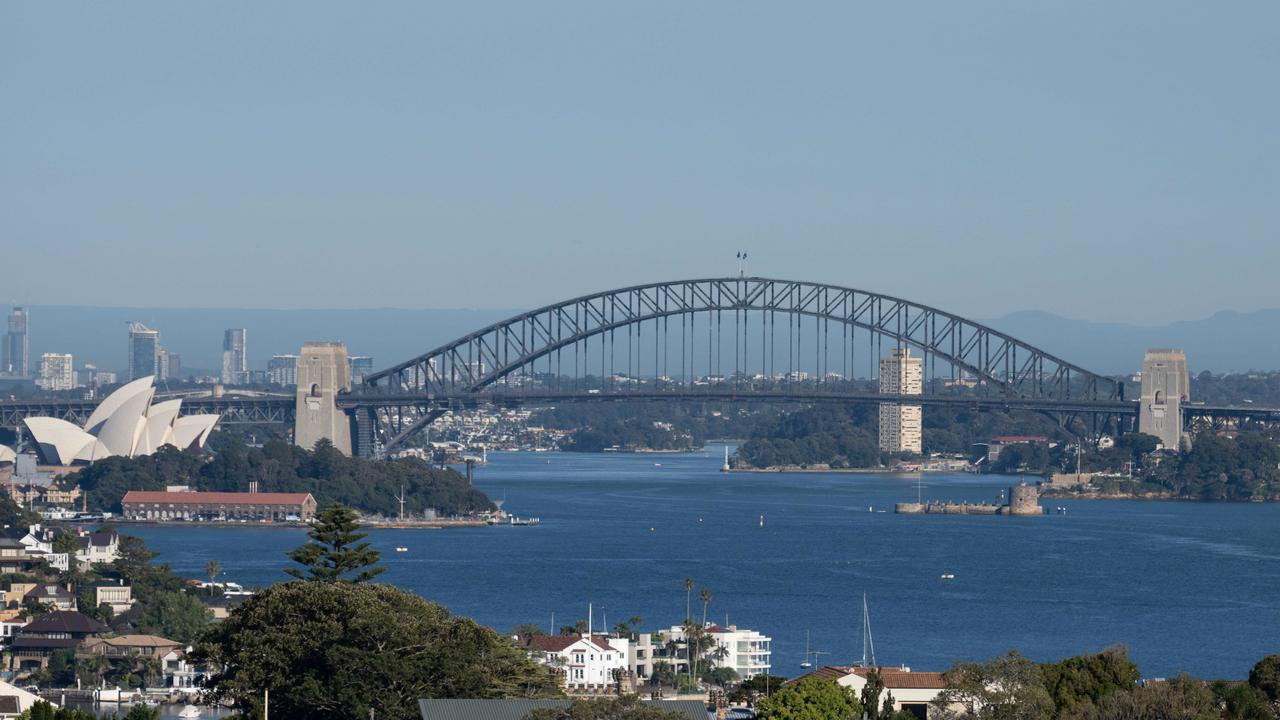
[868, 644]
[525, 521]
[948, 576]
[190, 711]
[401, 548]
[806, 664]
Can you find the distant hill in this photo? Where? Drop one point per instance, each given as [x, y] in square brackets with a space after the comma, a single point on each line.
[1224, 342]
[1227, 341]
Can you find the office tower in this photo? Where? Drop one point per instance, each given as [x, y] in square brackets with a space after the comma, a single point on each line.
[360, 366]
[13, 354]
[235, 364]
[56, 372]
[174, 370]
[144, 351]
[283, 370]
[900, 374]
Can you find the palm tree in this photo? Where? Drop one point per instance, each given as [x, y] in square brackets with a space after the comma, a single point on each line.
[705, 596]
[213, 570]
[688, 597]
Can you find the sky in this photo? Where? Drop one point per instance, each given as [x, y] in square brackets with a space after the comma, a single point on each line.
[1099, 160]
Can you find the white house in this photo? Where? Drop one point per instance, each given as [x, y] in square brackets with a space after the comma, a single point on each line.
[586, 662]
[911, 691]
[179, 672]
[97, 548]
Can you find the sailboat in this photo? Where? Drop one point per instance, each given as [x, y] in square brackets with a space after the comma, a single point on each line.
[806, 664]
[868, 644]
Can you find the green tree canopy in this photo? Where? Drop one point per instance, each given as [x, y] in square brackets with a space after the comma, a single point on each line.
[335, 553]
[337, 650]
[1007, 688]
[1087, 678]
[811, 699]
[1265, 676]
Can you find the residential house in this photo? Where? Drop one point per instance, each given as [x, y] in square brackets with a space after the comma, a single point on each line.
[13, 556]
[97, 548]
[49, 633]
[9, 628]
[16, 593]
[911, 691]
[116, 594]
[14, 700]
[179, 672]
[128, 646]
[39, 543]
[586, 664]
[51, 595]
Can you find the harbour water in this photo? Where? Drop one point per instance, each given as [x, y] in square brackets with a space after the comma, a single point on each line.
[1186, 586]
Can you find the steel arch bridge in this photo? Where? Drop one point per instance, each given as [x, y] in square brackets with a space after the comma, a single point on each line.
[684, 326]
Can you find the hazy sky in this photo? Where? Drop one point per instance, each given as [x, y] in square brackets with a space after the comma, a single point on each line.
[1103, 160]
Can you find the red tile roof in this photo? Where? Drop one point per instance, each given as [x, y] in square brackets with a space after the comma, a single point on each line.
[893, 678]
[216, 498]
[558, 643]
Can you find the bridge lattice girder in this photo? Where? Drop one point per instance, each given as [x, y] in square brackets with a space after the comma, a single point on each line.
[476, 361]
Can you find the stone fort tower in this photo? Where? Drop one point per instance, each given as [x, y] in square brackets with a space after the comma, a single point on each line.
[1166, 384]
[323, 372]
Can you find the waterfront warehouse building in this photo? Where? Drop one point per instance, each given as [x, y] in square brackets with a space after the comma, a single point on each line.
[219, 506]
[900, 425]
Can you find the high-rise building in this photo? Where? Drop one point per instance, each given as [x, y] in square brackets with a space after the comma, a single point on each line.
[900, 374]
[360, 366]
[56, 372]
[1166, 384]
[144, 351]
[283, 370]
[13, 354]
[174, 369]
[235, 362]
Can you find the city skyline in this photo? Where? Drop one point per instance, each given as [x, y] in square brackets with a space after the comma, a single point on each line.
[985, 162]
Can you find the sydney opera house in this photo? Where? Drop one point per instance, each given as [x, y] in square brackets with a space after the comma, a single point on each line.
[124, 423]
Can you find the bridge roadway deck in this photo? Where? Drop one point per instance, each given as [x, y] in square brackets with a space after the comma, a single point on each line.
[468, 400]
[280, 408]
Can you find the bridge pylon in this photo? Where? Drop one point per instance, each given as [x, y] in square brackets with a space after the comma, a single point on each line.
[323, 372]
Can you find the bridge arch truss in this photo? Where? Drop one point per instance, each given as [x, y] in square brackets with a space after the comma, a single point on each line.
[560, 339]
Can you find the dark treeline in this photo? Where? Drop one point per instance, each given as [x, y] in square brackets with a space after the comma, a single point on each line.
[371, 486]
[847, 436]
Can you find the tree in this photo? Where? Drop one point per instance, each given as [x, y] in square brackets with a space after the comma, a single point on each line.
[1265, 676]
[1179, 699]
[335, 553]
[1088, 678]
[763, 684]
[688, 597]
[212, 570]
[172, 614]
[1007, 688]
[622, 708]
[870, 697]
[339, 650]
[526, 630]
[811, 699]
[705, 596]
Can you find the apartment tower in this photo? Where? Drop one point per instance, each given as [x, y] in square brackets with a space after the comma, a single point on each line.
[900, 374]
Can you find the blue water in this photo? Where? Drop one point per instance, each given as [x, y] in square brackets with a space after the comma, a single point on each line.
[1186, 586]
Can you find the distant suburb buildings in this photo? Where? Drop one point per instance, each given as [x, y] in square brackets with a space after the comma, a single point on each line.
[900, 374]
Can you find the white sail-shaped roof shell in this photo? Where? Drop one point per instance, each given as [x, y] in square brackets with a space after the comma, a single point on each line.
[7, 455]
[113, 402]
[60, 442]
[191, 431]
[159, 427]
[121, 431]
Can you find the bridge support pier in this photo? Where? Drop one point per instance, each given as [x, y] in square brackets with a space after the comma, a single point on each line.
[322, 373]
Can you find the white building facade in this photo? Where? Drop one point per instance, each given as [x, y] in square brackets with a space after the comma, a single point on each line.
[746, 652]
[900, 425]
[585, 663]
[57, 372]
